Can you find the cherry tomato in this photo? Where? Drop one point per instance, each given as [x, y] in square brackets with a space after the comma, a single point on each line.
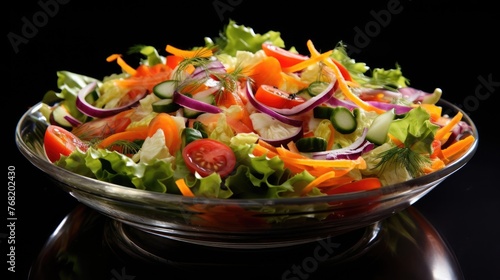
[285, 57]
[58, 141]
[207, 156]
[274, 97]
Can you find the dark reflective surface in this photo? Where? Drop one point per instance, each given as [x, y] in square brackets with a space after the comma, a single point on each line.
[88, 245]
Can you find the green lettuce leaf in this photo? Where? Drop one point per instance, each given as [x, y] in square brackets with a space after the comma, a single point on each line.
[236, 37]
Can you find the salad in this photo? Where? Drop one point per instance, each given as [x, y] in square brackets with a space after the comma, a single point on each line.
[244, 117]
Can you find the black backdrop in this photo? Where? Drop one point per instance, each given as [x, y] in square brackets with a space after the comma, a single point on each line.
[438, 44]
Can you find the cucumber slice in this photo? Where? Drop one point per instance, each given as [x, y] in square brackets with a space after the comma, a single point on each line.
[165, 106]
[165, 89]
[323, 112]
[189, 113]
[316, 88]
[343, 120]
[377, 132]
[311, 144]
[58, 116]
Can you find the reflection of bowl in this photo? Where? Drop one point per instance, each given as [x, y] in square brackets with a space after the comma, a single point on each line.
[234, 223]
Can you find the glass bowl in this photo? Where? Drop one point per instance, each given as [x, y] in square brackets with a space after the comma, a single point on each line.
[234, 223]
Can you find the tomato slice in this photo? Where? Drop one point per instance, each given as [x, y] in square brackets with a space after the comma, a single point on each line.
[274, 97]
[285, 57]
[58, 141]
[207, 156]
[104, 127]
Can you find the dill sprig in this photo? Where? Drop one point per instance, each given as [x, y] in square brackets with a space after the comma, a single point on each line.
[403, 157]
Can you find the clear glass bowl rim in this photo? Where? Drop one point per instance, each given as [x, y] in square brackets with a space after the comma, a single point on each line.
[121, 193]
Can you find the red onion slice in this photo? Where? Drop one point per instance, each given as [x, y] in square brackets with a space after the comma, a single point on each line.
[194, 104]
[309, 104]
[96, 112]
[264, 109]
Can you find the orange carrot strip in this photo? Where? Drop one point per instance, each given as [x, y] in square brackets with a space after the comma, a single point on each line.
[260, 150]
[331, 139]
[436, 164]
[139, 133]
[448, 127]
[342, 83]
[125, 67]
[183, 187]
[458, 147]
[365, 184]
[267, 145]
[203, 52]
[317, 181]
[303, 64]
[292, 147]
[337, 181]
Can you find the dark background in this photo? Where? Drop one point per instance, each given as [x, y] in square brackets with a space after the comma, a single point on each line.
[438, 44]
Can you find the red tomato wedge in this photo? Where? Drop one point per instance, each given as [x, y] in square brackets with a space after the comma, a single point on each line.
[207, 156]
[104, 127]
[58, 141]
[276, 98]
[285, 57]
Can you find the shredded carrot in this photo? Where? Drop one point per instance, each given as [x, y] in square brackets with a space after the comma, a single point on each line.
[342, 83]
[395, 140]
[259, 150]
[303, 64]
[203, 52]
[458, 147]
[183, 187]
[436, 164]
[125, 67]
[266, 145]
[365, 184]
[331, 139]
[448, 127]
[139, 133]
[292, 147]
[318, 180]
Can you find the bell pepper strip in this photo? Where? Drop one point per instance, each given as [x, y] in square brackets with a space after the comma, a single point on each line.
[202, 52]
[433, 110]
[304, 64]
[291, 82]
[183, 188]
[267, 71]
[125, 67]
[457, 148]
[318, 180]
[342, 83]
[296, 158]
[443, 131]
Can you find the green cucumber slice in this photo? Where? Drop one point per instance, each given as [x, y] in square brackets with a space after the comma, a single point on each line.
[377, 132]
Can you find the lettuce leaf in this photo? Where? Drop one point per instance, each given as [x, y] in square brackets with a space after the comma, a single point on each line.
[239, 37]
